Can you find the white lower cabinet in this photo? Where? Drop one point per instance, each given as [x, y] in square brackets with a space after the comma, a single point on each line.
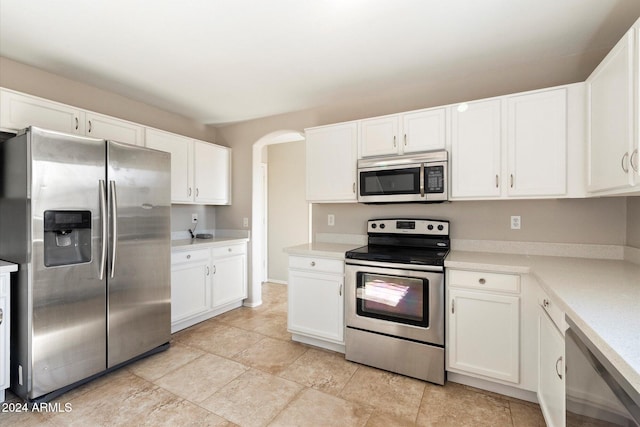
[316, 301]
[229, 274]
[484, 334]
[206, 282]
[190, 284]
[4, 333]
[551, 369]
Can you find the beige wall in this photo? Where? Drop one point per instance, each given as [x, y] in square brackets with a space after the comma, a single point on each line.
[27, 79]
[595, 221]
[288, 214]
[633, 221]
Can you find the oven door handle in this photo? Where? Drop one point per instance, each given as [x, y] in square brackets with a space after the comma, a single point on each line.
[422, 180]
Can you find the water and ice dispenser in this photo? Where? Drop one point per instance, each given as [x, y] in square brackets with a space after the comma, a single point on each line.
[67, 237]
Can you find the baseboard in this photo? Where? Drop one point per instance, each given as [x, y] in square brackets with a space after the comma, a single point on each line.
[506, 390]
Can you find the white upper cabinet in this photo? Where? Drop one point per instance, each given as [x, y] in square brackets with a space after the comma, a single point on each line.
[537, 143]
[105, 127]
[18, 111]
[181, 150]
[634, 160]
[405, 133]
[476, 136]
[200, 171]
[610, 90]
[212, 173]
[331, 157]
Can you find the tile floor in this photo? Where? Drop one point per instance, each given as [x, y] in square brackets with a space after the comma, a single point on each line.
[242, 368]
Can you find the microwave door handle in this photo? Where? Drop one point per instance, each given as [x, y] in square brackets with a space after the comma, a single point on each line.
[422, 180]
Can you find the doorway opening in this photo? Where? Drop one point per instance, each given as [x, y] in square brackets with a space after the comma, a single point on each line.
[259, 202]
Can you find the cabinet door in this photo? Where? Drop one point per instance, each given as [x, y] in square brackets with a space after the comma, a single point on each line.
[229, 280]
[19, 111]
[190, 290]
[610, 115]
[537, 144]
[99, 126]
[316, 305]
[212, 178]
[181, 150]
[484, 334]
[475, 150]
[423, 130]
[379, 136]
[4, 331]
[551, 381]
[331, 157]
[635, 152]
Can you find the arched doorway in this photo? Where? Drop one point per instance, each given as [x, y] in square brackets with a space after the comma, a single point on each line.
[258, 211]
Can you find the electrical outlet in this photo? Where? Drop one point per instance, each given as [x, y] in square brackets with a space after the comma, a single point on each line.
[245, 222]
[516, 223]
[194, 218]
[331, 220]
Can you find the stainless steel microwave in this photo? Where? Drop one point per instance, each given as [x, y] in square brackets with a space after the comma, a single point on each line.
[404, 179]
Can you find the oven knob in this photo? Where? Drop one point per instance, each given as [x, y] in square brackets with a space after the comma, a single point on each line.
[374, 225]
[381, 225]
[430, 226]
[440, 227]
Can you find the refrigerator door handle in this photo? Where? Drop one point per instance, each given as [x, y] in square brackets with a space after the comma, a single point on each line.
[104, 226]
[114, 226]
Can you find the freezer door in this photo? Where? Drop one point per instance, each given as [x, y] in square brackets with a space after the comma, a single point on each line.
[139, 288]
[65, 300]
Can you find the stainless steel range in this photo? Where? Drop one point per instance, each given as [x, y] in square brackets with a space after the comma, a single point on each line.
[395, 298]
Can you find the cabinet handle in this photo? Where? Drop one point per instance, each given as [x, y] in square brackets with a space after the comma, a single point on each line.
[394, 142]
[208, 271]
[340, 290]
[482, 281]
[497, 180]
[354, 188]
[405, 139]
[214, 269]
[545, 303]
[313, 263]
[453, 307]
[197, 191]
[511, 180]
[1, 316]
[623, 161]
[77, 123]
[634, 164]
[558, 373]
[89, 126]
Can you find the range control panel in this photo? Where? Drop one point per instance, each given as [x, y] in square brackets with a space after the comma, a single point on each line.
[409, 226]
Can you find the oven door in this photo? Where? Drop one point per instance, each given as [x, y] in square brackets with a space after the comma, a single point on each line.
[396, 301]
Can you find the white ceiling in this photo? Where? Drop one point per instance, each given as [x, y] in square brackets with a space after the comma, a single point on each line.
[221, 61]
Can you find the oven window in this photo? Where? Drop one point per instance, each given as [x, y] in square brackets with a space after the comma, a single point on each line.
[394, 181]
[393, 298]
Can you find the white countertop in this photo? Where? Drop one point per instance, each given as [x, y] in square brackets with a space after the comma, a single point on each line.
[205, 243]
[602, 297]
[7, 267]
[322, 249]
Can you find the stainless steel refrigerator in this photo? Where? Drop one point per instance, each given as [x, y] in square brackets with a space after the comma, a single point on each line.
[88, 221]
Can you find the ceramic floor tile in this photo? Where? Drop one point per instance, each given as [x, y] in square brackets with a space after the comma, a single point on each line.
[160, 364]
[386, 392]
[314, 408]
[275, 327]
[326, 371]
[526, 415]
[250, 320]
[382, 419]
[457, 405]
[220, 339]
[202, 377]
[252, 399]
[271, 355]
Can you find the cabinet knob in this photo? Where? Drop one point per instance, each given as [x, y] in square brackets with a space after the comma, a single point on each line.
[188, 256]
[313, 263]
[230, 250]
[482, 281]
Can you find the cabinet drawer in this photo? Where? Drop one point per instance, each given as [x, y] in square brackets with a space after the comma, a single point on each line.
[484, 280]
[552, 309]
[229, 250]
[178, 257]
[317, 264]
